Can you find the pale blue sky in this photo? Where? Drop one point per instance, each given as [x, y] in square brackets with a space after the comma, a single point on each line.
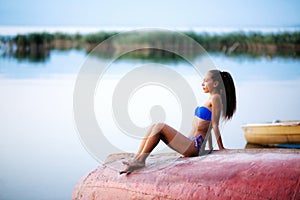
[141, 13]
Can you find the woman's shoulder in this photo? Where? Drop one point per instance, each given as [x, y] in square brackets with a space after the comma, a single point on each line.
[213, 100]
[216, 97]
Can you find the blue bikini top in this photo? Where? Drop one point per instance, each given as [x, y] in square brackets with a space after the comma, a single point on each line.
[203, 113]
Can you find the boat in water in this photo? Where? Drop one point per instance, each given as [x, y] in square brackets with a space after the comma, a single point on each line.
[283, 134]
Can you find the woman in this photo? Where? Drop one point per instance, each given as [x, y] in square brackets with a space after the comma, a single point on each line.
[222, 101]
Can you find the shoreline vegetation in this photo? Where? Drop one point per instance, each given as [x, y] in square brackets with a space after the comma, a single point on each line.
[37, 46]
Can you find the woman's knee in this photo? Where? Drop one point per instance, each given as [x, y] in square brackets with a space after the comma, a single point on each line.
[159, 127]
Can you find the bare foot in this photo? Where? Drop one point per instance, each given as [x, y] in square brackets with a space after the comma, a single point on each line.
[131, 166]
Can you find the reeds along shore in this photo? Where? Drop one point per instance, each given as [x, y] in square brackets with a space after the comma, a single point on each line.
[254, 44]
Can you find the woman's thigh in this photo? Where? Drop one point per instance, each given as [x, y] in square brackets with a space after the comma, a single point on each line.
[177, 141]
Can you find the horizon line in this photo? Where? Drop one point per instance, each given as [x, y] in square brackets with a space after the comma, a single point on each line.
[24, 29]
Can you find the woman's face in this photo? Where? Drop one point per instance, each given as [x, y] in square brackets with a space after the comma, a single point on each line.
[208, 83]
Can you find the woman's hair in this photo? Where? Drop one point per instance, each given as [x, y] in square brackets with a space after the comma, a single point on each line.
[228, 97]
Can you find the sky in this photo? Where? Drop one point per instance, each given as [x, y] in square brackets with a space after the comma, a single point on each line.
[150, 13]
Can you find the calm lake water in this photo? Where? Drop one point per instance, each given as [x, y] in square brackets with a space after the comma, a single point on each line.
[41, 153]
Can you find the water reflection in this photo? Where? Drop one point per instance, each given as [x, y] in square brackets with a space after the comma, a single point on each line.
[43, 55]
[58, 64]
[38, 141]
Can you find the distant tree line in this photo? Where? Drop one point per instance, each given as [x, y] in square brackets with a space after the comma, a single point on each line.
[252, 43]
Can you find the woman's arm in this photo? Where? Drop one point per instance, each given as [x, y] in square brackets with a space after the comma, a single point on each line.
[218, 137]
[216, 112]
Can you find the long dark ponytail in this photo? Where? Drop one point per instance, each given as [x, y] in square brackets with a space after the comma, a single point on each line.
[227, 90]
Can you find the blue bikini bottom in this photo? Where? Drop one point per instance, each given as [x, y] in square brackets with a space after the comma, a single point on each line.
[198, 141]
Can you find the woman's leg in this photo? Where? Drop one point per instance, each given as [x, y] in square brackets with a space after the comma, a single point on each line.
[141, 147]
[168, 135]
[133, 164]
[171, 137]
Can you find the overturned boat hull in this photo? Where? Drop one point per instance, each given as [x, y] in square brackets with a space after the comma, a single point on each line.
[228, 174]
